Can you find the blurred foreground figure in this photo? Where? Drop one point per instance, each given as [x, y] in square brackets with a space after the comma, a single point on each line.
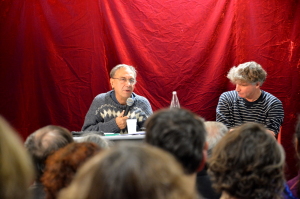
[130, 171]
[292, 188]
[215, 132]
[248, 164]
[42, 143]
[16, 168]
[97, 139]
[182, 133]
[63, 164]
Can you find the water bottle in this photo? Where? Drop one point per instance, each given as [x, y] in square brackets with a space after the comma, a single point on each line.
[175, 101]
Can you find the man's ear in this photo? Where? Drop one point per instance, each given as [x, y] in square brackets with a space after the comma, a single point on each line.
[111, 83]
[257, 85]
[204, 158]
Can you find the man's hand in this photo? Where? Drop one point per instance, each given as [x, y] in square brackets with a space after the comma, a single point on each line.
[271, 132]
[121, 120]
[231, 129]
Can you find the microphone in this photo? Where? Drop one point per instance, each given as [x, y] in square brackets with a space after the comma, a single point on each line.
[129, 103]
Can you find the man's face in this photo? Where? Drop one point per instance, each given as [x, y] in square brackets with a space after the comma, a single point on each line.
[123, 89]
[246, 90]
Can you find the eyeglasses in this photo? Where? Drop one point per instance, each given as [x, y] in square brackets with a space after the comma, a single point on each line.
[123, 80]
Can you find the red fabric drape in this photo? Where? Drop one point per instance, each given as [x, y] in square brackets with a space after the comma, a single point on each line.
[55, 56]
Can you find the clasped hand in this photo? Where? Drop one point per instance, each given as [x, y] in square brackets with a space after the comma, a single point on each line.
[121, 120]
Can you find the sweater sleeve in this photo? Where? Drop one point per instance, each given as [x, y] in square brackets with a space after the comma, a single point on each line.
[223, 111]
[146, 111]
[93, 120]
[275, 116]
[145, 105]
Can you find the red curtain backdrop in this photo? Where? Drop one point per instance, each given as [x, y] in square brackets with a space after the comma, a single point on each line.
[55, 56]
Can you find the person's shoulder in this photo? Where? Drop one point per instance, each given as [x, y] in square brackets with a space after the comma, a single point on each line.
[102, 95]
[102, 98]
[229, 94]
[269, 97]
[293, 181]
[140, 98]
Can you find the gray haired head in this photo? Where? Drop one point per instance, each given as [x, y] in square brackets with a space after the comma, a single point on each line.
[117, 67]
[97, 139]
[250, 72]
[215, 132]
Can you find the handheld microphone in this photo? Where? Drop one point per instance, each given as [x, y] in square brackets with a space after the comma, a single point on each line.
[129, 103]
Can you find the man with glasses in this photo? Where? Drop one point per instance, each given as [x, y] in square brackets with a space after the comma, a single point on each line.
[106, 113]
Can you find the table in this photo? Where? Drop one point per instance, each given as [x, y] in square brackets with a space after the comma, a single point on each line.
[139, 137]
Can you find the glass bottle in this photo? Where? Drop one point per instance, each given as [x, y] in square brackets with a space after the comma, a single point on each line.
[175, 101]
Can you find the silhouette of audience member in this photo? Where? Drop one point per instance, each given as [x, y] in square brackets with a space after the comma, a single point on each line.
[215, 132]
[292, 189]
[248, 163]
[42, 143]
[181, 133]
[16, 168]
[130, 171]
[62, 165]
[97, 139]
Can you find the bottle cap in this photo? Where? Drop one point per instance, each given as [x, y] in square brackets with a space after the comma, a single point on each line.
[174, 92]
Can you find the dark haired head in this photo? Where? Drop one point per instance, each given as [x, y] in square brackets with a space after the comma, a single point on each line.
[248, 163]
[43, 142]
[180, 132]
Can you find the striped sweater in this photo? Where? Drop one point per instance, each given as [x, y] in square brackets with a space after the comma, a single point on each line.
[103, 111]
[233, 110]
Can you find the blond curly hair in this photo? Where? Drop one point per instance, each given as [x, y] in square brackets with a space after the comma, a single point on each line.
[250, 72]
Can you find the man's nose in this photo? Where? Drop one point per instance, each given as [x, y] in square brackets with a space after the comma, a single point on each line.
[127, 83]
[237, 88]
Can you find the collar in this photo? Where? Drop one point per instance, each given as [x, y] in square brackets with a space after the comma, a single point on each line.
[113, 96]
[255, 102]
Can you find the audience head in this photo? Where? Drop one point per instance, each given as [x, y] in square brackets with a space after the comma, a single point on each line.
[180, 132]
[215, 132]
[62, 165]
[45, 141]
[249, 72]
[16, 169]
[97, 139]
[130, 171]
[248, 163]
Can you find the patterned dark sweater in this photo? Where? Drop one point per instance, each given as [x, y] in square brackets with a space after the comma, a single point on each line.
[103, 111]
[233, 110]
